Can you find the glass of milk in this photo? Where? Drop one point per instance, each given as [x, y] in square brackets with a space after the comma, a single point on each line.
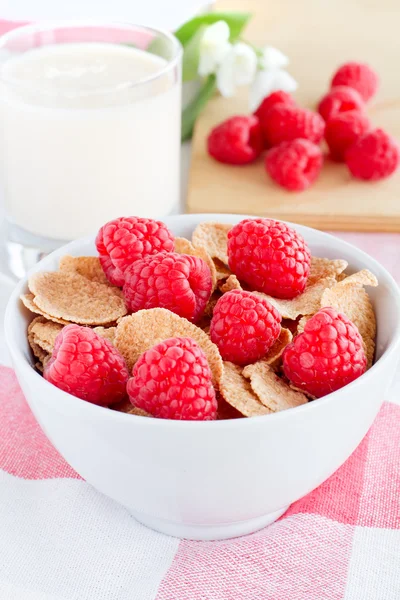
[89, 130]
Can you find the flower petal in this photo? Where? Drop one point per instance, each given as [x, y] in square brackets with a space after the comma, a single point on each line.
[268, 81]
[217, 33]
[214, 46]
[273, 58]
[225, 76]
[245, 63]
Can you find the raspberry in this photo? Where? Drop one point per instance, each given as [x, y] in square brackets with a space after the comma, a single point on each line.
[358, 76]
[172, 380]
[294, 165]
[273, 99]
[122, 241]
[373, 156]
[343, 130]
[87, 366]
[244, 326]
[178, 282]
[284, 123]
[339, 99]
[236, 141]
[327, 356]
[269, 256]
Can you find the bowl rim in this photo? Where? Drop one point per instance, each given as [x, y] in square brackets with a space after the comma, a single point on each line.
[106, 413]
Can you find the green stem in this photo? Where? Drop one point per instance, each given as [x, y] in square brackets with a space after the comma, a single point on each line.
[191, 112]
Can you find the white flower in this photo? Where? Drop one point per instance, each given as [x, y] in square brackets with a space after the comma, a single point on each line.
[238, 67]
[268, 81]
[272, 58]
[213, 47]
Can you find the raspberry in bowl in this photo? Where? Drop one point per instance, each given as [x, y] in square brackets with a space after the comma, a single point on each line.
[203, 477]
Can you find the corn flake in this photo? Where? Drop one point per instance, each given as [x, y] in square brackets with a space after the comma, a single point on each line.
[184, 246]
[213, 237]
[321, 268]
[306, 303]
[350, 298]
[271, 390]
[74, 298]
[28, 301]
[87, 266]
[237, 392]
[141, 331]
[232, 283]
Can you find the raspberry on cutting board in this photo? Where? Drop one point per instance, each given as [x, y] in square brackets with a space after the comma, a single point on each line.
[271, 100]
[124, 240]
[373, 156]
[269, 256]
[244, 326]
[328, 355]
[358, 76]
[236, 141]
[87, 366]
[172, 380]
[178, 282]
[294, 165]
[343, 130]
[284, 123]
[339, 99]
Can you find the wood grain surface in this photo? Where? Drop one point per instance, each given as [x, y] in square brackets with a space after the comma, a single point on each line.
[317, 35]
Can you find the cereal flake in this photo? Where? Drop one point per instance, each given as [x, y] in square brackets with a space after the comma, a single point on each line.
[325, 267]
[74, 298]
[141, 331]
[213, 237]
[184, 246]
[306, 303]
[350, 298]
[237, 391]
[87, 266]
[272, 391]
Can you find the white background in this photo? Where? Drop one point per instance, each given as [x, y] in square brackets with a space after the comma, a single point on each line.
[156, 13]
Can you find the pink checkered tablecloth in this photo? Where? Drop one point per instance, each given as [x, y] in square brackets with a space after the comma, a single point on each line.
[62, 540]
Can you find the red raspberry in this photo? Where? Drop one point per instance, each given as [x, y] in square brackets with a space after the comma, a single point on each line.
[87, 366]
[284, 123]
[343, 130]
[327, 356]
[273, 99]
[358, 76]
[244, 326]
[172, 380]
[339, 99]
[178, 282]
[373, 156]
[269, 256]
[236, 141]
[294, 165]
[122, 241]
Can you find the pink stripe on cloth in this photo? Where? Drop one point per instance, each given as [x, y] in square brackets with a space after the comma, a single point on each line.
[24, 449]
[339, 497]
[302, 557]
[380, 498]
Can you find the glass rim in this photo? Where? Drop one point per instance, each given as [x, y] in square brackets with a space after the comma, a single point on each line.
[73, 24]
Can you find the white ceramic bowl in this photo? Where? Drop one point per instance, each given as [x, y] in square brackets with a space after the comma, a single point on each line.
[212, 480]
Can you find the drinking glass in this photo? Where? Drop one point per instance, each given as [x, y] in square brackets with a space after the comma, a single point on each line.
[90, 131]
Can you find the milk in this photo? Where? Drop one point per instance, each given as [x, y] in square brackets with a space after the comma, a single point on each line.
[81, 143]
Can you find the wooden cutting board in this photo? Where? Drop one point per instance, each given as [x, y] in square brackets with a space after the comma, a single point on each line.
[317, 35]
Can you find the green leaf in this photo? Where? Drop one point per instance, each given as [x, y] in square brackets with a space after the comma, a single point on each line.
[236, 21]
[191, 112]
[191, 54]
